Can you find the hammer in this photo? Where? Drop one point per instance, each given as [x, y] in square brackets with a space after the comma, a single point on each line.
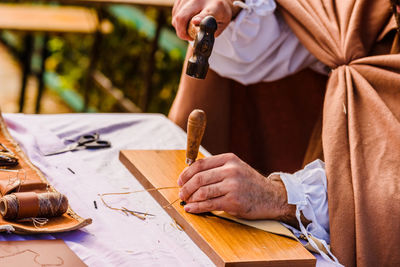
[203, 36]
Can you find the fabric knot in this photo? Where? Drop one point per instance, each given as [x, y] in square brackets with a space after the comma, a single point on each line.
[338, 64]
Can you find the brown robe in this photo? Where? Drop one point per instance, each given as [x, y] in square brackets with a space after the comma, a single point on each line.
[361, 124]
[269, 124]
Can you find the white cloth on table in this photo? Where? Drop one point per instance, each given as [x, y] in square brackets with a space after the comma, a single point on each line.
[259, 46]
[113, 239]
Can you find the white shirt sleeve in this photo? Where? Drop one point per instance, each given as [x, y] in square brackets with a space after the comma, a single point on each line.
[259, 46]
[307, 190]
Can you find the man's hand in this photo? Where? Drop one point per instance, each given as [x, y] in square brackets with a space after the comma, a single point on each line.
[184, 10]
[226, 183]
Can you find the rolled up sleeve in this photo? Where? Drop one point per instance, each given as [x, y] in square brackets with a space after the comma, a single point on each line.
[307, 189]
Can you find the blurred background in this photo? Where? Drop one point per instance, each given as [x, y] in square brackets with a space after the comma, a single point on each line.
[88, 56]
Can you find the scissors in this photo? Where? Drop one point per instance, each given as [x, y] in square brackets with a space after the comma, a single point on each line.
[90, 141]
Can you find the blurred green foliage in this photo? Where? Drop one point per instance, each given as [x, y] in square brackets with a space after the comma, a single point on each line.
[124, 59]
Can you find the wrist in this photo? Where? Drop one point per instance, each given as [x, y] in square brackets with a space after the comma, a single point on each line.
[287, 212]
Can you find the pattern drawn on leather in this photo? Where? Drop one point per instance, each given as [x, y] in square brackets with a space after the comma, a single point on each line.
[13, 180]
[35, 259]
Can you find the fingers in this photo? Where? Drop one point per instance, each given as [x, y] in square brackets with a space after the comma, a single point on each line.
[176, 6]
[196, 10]
[203, 165]
[205, 206]
[199, 185]
[221, 13]
[197, 19]
[182, 13]
[208, 192]
[207, 181]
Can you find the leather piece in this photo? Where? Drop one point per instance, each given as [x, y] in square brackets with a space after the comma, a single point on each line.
[30, 178]
[28, 205]
[7, 185]
[270, 226]
[33, 253]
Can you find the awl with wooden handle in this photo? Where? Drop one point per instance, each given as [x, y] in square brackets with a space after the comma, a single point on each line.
[195, 129]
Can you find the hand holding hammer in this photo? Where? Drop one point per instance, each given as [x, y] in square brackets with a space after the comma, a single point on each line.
[193, 21]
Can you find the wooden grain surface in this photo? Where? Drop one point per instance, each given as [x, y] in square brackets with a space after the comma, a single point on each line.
[225, 242]
[23, 17]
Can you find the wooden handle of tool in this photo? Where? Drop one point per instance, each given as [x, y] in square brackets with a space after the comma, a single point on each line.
[195, 129]
[193, 30]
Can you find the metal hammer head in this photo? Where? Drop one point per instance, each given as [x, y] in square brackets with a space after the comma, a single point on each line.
[197, 66]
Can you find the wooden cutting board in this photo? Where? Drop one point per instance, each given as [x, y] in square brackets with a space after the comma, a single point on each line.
[226, 243]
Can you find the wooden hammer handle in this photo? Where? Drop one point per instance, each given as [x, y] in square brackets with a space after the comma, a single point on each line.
[192, 30]
[195, 129]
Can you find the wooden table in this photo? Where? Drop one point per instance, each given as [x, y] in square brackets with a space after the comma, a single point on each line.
[47, 19]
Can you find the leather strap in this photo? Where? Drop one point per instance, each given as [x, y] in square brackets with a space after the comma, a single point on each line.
[28, 204]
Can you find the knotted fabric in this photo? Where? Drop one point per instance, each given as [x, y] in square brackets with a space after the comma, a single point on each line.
[361, 124]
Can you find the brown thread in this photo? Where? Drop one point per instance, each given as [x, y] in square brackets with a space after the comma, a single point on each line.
[139, 214]
[50, 205]
[170, 204]
[11, 206]
[177, 225]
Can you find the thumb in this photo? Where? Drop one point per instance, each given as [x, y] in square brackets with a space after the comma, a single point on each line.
[221, 21]
[198, 18]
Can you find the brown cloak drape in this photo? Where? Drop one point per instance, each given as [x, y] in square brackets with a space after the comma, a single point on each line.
[361, 125]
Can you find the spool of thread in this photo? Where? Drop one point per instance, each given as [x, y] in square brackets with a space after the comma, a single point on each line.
[33, 205]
